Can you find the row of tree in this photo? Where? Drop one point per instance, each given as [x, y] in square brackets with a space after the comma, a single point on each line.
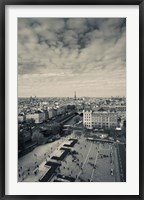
[40, 135]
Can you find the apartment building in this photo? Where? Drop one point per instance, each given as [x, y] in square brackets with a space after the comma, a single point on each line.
[99, 119]
[39, 117]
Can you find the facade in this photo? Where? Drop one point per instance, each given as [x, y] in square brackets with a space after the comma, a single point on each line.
[61, 110]
[118, 108]
[46, 115]
[87, 119]
[38, 117]
[99, 119]
[51, 113]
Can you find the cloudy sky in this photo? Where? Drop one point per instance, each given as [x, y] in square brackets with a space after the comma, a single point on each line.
[59, 56]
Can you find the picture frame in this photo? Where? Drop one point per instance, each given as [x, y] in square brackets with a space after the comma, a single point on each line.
[4, 100]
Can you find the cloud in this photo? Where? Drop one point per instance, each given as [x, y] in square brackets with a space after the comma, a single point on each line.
[67, 52]
[79, 25]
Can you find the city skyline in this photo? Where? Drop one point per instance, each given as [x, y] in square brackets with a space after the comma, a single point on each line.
[104, 97]
[59, 56]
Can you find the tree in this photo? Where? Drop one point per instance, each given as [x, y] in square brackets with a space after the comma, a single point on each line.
[54, 128]
[29, 124]
[21, 141]
[71, 107]
[77, 119]
[68, 131]
[38, 137]
[124, 128]
[31, 121]
[119, 121]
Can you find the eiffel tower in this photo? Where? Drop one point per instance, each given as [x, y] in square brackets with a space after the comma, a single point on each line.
[75, 95]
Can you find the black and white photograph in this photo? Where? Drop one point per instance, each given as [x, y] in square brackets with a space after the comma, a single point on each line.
[71, 99]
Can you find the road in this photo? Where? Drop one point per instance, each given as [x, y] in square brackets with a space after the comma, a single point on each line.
[71, 121]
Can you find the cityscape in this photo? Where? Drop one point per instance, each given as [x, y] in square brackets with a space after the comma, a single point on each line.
[72, 139]
[71, 100]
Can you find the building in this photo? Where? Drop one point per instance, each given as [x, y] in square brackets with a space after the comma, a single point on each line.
[46, 115]
[87, 119]
[99, 119]
[118, 108]
[38, 117]
[61, 110]
[21, 118]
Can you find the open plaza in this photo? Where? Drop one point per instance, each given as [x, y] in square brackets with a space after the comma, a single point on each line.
[73, 158]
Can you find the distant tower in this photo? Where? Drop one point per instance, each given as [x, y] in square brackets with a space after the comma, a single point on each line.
[75, 95]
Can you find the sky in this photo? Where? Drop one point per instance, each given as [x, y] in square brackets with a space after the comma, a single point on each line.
[57, 56]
